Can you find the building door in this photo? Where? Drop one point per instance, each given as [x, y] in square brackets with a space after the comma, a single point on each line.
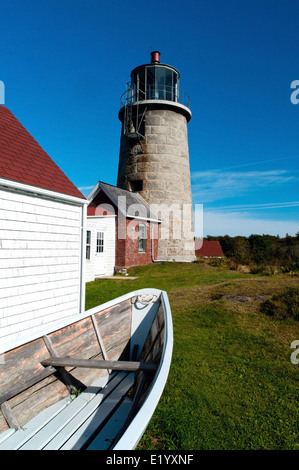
[100, 256]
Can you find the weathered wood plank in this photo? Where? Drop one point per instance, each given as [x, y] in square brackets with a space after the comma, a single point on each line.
[115, 325]
[32, 401]
[79, 337]
[22, 386]
[64, 375]
[89, 363]
[21, 363]
[9, 416]
[22, 377]
[105, 356]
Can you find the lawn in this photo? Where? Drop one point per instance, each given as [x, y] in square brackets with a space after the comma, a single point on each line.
[231, 383]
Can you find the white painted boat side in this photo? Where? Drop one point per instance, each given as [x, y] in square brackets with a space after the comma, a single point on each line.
[136, 429]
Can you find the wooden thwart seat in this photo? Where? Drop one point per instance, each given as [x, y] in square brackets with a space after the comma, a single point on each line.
[131, 366]
[74, 424]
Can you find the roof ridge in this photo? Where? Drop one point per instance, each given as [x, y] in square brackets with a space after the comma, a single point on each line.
[35, 167]
[151, 214]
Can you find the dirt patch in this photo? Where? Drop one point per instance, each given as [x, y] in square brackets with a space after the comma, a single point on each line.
[239, 298]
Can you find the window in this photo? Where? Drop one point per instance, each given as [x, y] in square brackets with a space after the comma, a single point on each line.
[100, 242]
[169, 76]
[136, 186]
[142, 238]
[88, 240]
[160, 83]
[150, 76]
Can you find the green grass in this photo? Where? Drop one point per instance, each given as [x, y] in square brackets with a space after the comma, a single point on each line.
[231, 383]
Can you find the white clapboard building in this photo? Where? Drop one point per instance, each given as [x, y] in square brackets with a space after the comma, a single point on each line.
[42, 237]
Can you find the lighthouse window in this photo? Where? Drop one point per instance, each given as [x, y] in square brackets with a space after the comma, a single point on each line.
[160, 83]
[142, 238]
[154, 82]
[150, 83]
[169, 85]
[141, 95]
[136, 186]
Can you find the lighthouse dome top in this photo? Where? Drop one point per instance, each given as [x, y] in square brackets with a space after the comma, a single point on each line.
[155, 81]
[155, 61]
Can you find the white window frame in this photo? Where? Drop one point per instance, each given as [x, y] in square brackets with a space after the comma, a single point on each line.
[88, 244]
[142, 238]
[100, 242]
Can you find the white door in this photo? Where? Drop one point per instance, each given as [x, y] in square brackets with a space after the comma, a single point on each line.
[100, 256]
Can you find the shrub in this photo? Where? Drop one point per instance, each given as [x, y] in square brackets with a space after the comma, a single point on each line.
[283, 305]
[291, 268]
[218, 262]
[264, 270]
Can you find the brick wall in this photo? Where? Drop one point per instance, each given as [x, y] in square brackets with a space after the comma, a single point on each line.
[127, 250]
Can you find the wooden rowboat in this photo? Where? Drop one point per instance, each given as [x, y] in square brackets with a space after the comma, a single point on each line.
[89, 383]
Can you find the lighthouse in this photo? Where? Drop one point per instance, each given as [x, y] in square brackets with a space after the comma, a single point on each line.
[154, 153]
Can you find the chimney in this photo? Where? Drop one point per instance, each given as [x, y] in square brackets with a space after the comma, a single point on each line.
[155, 57]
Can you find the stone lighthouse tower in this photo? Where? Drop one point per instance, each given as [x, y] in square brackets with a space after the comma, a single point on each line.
[154, 154]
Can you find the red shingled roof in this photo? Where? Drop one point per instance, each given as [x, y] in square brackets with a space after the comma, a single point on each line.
[23, 160]
[209, 248]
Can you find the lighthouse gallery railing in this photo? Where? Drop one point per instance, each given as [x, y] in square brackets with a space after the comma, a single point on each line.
[154, 92]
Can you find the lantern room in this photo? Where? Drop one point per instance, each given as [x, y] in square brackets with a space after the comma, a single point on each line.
[155, 81]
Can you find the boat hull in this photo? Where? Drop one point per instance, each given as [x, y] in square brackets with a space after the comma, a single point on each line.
[133, 329]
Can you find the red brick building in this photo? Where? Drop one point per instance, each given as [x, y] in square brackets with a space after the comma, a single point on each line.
[137, 226]
[208, 249]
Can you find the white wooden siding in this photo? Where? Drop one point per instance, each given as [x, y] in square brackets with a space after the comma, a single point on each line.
[40, 263]
[97, 224]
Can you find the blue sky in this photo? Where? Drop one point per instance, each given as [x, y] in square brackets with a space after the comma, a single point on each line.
[65, 64]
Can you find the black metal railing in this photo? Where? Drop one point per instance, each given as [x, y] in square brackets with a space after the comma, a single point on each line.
[154, 92]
